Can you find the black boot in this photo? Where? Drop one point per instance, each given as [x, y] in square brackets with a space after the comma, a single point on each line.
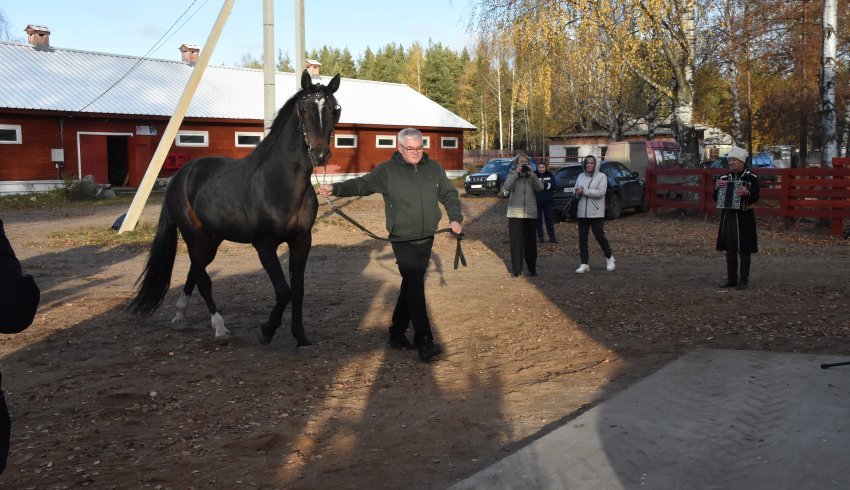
[398, 340]
[428, 348]
[731, 271]
[745, 272]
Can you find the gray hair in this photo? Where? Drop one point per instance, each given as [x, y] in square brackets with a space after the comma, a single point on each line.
[409, 133]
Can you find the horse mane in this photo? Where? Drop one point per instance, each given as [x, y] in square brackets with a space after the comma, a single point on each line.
[267, 145]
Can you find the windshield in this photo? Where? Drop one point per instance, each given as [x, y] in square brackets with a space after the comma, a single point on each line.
[495, 166]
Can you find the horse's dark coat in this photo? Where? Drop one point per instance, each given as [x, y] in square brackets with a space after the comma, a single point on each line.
[264, 199]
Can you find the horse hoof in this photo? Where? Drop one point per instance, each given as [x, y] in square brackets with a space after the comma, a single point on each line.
[307, 351]
[263, 338]
[222, 339]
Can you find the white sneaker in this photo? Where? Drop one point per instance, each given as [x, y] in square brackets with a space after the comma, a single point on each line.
[582, 269]
[610, 263]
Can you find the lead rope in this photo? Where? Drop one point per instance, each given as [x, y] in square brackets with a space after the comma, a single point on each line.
[459, 257]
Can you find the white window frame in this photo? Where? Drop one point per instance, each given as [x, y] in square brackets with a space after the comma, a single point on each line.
[338, 136]
[17, 129]
[379, 137]
[205, 134]
[443, 140]
[426, 142]
[246, 133]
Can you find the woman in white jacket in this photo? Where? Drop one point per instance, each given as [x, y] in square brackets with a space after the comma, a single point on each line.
[590, 191]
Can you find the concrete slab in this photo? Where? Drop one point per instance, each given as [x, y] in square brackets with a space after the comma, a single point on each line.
[711, 419]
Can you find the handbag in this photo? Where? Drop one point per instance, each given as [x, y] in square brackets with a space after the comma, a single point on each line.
[570, 211]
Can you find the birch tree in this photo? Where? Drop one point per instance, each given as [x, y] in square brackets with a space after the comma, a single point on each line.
[827, 84]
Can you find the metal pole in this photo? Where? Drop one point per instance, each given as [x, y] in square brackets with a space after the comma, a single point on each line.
[268, 65]
[174, 123]
[299, 43]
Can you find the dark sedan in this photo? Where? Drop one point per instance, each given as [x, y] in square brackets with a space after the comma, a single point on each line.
[625, 188]
[490, 179]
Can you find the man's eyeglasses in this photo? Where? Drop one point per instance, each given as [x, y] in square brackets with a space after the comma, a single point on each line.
[411, 149]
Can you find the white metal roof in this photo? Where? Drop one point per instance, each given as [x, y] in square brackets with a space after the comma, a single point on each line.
[72, 80]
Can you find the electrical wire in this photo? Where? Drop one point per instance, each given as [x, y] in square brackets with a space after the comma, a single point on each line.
[158, 44]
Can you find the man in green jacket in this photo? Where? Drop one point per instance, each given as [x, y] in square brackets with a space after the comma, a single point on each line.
[412, 186]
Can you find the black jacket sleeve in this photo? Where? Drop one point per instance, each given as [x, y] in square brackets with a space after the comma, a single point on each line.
[19, 294]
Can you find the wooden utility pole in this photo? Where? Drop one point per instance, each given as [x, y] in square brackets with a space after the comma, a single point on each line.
[132, 216]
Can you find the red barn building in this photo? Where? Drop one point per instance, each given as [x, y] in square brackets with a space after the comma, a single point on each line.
[70, 112]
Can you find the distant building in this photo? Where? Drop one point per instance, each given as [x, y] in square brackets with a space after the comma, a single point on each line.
[89, 113]
[572, 147]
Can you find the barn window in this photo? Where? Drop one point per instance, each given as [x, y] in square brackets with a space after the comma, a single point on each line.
[345, 140]
[383, 141]
[244, 139]
[192, 138]
[426, 142]
[10, 134]
[449, 142]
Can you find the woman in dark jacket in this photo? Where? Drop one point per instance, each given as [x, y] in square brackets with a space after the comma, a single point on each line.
[545, 203]
[19, 296]
[736, 234]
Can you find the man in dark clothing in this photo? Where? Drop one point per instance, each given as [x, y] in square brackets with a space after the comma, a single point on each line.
[413, 186]
[737, 232]
[545, 203]
[19, 296]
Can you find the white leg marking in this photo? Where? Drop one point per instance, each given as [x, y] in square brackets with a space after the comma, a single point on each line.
[218, 326]
[182, 305]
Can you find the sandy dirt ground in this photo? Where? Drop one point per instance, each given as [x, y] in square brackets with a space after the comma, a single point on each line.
[100, 398]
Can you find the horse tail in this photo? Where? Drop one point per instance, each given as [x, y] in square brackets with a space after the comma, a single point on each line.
[155, 280]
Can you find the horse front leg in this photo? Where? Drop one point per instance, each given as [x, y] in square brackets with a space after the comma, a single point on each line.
[268, 258]
[298, 252]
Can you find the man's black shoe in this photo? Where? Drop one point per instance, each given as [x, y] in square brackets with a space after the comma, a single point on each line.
[553, 239]
[742, 285]
[729, 283]
[399, 341]
[540, 239]
[428, 349]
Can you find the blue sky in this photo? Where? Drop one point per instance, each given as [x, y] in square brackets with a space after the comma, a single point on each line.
[134, 27]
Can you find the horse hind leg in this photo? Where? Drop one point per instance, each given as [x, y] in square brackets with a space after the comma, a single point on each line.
[202, 251]
[183, 300]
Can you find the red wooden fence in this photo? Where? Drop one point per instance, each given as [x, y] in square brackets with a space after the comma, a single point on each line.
[787, 192]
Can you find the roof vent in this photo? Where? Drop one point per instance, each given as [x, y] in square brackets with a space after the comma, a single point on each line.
[38, 37]
[189, 53]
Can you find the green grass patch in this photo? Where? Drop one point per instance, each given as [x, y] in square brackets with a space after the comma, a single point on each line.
[57, 199]
[140, 238]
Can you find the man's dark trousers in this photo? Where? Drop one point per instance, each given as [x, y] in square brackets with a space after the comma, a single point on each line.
[412, 259]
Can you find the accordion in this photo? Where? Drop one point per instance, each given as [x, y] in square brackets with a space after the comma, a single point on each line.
[727, 198]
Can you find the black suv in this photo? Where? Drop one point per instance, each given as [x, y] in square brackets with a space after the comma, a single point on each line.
[625, 188]
[490, 179]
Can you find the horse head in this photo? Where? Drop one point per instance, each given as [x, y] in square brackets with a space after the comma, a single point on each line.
[318, 112]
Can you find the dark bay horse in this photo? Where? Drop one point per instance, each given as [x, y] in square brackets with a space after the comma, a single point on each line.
[264, 199]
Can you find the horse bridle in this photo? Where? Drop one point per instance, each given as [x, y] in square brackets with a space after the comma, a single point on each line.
[317, 96]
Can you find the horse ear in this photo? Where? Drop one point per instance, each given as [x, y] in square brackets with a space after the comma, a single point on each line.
[334, 85]
[306, 80]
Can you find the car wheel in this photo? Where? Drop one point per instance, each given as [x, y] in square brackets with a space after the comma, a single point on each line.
[614, 208]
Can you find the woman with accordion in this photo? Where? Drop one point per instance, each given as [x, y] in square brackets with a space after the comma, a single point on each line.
[735, 194]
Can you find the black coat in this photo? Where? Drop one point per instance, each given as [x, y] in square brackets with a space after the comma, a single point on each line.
[743, 220]
[546, 197]
[19, 295]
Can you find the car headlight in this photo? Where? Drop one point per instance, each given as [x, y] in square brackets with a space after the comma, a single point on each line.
[492, 177]
[466, 179]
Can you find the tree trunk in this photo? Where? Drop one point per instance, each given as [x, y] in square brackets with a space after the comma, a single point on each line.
[683, 99]
[846, 133]
[827, 84]
[803, 154]
[732, 75]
